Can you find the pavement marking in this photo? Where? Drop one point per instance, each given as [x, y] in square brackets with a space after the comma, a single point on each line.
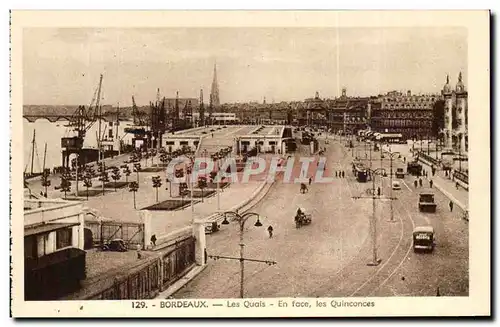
[407, 186]
[404, 258]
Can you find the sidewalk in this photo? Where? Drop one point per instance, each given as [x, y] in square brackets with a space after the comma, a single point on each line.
[459, 196]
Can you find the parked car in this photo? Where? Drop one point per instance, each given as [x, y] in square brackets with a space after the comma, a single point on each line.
[117, 245]
[396, 185]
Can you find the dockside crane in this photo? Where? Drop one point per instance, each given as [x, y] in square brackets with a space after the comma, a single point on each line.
[82, 120]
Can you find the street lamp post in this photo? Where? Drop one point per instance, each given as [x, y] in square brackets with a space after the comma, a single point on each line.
[241, 219]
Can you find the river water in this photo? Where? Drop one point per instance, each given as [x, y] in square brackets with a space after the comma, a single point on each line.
[51, 133]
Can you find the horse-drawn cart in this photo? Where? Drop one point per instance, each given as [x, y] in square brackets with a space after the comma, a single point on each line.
[302, 219]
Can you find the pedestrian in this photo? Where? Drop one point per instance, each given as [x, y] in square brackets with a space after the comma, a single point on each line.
[270, 231]
[420, 182]
[451, 206]
[415, 183]
[378, 191]
[139, 254]
[404, 159]
[430, 183]
[343, 174]
[456, 185]
[310, 180]
[206, 255]
[153, 240]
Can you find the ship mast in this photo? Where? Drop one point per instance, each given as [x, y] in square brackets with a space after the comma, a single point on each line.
[99, 117]
[44, 157]
[33, 152]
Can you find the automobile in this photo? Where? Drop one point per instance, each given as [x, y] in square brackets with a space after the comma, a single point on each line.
[424, 238]
[426, 202]
[116, 245]
[396, 185]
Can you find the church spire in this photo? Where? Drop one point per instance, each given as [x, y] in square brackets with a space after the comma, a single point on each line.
[214, 93]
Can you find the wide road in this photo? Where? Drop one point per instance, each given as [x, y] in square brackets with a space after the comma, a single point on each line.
[305, 256]
[329, 257]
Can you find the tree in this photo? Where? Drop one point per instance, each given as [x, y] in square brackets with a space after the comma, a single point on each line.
[126, 172]
[156, 184]
[87, 182]
[438, 117]
[65, 184]
[137, 168]
[104, 179]
[183, 190]
[133, 187]
[202, 184]
[45, 180]
[116, 175]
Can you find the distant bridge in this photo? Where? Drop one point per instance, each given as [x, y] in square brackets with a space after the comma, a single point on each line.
[51, 118]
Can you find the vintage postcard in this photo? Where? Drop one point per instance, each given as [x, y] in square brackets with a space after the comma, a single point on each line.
[250, 164]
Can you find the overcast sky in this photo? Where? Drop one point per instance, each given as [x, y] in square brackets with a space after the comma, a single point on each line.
[62, 66]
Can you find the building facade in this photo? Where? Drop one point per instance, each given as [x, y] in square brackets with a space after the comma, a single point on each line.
[403, 113]
[456, 122]
[346, 114]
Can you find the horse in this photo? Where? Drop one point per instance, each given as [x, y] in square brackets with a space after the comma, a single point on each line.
[298, 221]
[303, 188]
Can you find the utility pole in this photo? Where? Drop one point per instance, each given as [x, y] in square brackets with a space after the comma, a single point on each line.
[392, 155]
[375, 259]
[241, 219]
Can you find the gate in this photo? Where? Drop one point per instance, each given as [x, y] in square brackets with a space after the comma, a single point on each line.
[105, 231]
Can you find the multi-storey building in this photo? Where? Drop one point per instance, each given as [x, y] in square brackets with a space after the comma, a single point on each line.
[344, 113]
[455, 130]
[407, 114]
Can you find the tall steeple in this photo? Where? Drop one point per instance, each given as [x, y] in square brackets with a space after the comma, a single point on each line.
[214, 93]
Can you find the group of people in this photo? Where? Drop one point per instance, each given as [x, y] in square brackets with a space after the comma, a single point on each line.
[419, 182]
[340, 173]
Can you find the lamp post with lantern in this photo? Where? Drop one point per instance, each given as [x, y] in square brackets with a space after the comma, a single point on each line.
[241, 219]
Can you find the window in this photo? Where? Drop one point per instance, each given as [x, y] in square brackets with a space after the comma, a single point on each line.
[64, 238]
[30, 247]
[110, 133]
[170, 143]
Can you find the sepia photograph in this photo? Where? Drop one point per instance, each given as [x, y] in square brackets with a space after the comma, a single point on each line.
[321, 162]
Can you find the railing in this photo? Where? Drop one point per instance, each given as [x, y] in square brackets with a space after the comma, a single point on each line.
[428, 158]
[146, 281]
[461, 176]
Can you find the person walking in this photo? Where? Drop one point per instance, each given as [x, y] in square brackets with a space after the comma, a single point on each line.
[415, 183]
[310, 181]
[456, 185]
[139, 254]
[451, 206]
[430, 183]
[336, 173]
[343, 174]
[270, 231]
[420, 182]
